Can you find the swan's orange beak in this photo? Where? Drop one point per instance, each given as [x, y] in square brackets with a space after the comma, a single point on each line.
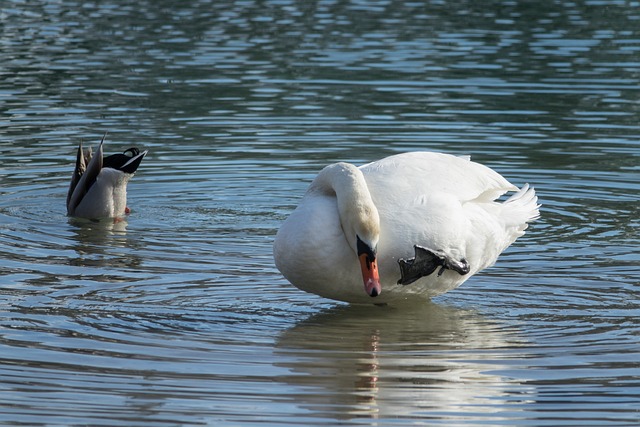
[370, 275]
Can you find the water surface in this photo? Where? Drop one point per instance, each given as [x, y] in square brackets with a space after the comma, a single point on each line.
[178, 316]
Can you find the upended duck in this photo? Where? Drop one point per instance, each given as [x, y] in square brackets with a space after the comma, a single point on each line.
[412, 225]
[98, 186]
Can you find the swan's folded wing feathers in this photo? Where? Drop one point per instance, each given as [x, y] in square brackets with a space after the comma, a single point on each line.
[436, 172]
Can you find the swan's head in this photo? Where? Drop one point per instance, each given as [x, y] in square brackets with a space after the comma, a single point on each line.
[369, 267]
[367, 232]
[358, 216]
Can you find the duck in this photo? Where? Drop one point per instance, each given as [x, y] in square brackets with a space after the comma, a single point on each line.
[408, 227]
[98, 186]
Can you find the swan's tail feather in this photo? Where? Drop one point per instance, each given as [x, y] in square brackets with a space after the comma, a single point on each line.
[520, 209]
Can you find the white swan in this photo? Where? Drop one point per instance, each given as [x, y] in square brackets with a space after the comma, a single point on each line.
[408, 226]
[98, 186]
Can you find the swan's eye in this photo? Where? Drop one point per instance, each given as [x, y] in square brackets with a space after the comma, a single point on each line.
[364, 248]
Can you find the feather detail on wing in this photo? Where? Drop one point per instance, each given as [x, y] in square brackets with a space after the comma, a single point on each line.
[84, 176]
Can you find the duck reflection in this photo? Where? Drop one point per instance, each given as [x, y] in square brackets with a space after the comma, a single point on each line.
[382, 362]
[96, 242]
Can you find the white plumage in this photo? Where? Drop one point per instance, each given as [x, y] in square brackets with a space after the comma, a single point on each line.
[98, 186]
[352, 220]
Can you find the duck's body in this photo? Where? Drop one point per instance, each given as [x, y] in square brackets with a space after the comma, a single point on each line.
[427, 220]
[98, 186]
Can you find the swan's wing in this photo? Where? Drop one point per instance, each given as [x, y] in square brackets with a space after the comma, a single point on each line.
[86, 180]
[411, 175]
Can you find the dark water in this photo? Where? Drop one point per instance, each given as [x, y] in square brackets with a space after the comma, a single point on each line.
[179, 317]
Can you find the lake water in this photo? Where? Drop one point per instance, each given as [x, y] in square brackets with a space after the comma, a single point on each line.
[178, 316]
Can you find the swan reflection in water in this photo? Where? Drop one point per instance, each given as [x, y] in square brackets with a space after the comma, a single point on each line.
[384, 362]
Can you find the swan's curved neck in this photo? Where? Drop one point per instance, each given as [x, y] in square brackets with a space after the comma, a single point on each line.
[358, 213]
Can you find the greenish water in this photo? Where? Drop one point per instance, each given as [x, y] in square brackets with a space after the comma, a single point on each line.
[179, 317]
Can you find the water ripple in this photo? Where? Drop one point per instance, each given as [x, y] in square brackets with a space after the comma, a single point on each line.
[178, 316]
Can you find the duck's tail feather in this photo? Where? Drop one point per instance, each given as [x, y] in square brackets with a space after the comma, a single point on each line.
[92, 167]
